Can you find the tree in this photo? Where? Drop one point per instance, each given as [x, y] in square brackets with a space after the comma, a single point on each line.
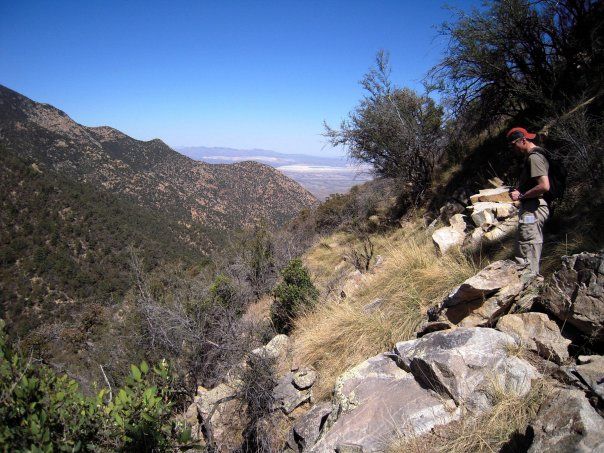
[537, 57]
[292, 295]
[394, 129]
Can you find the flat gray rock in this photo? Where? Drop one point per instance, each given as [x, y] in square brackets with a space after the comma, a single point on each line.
[463, 363]
[376, 400]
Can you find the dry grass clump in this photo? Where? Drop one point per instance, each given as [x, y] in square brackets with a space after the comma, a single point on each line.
[510, 415]
[325, 259]
[338, 334]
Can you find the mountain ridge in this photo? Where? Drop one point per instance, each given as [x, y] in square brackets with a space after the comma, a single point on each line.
[149, 172]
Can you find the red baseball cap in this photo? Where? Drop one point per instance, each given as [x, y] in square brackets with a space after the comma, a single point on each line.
[519, 132]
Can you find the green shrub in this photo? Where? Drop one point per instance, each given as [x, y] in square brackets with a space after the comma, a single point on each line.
[295, 292]
[44, 411]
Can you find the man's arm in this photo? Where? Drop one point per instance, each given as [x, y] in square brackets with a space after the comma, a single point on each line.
[541, 187]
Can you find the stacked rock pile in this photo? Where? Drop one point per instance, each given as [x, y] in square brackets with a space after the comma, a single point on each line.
[491, 217]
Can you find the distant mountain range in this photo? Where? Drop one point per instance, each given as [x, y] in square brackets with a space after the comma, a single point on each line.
[219, 197]
[76, 201]
[322, 176]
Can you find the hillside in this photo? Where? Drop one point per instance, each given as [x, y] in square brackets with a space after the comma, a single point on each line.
[220, 197]
[64, 243]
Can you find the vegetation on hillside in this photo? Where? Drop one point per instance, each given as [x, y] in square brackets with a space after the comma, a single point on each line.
[63, 243]
[43, 411]
[512, 62]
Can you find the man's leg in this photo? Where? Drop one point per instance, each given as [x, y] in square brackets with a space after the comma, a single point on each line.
[530, 236]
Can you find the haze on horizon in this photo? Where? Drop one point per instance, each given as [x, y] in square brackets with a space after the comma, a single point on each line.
[261, 75]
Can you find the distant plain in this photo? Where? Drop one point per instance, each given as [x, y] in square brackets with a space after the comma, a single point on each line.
[322, 176]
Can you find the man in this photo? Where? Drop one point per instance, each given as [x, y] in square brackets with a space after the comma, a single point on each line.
[534, 211]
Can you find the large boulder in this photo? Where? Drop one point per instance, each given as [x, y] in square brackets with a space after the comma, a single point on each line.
[465, 363]
[375, 401]
[484, 312]
[487, 282]
[575, 293]
[538, 333]
[567, 423]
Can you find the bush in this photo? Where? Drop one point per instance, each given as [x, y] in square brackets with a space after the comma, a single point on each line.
[396, 130]
[43, 411]
[294, 293]
[256, 390]
[516, 56]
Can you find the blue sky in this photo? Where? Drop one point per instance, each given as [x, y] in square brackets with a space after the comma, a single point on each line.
[240, 74]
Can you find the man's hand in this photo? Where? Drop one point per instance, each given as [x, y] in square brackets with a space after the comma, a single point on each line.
[515, 194]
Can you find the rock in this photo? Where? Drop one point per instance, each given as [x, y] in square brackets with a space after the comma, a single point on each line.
[489, 280]
[376, 400]
[375, 220]
[378, 262]
[449, 209]
[505, 210]
[575, 293]
[223, 417]
[499, 194]
[484, 313]
[483, 217]
[276, 349]
[286, 396]
[591, 372]
[446, 237]
[538, 333]
[463, 364]
[457, 222]
[566, 422]
[501, 231]
[352, 281]
[482, 206]
[349, 448]
[373, 306]
[304, 379]
[307, 428]
[194, 423]
[432, 326]
[272, 431]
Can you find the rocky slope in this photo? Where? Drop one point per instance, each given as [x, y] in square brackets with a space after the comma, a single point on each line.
[502, 348]
[221, 197]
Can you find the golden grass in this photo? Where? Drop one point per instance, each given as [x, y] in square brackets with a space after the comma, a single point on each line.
[510, 414]
[325, 259]
[258, 311]
[338, 334]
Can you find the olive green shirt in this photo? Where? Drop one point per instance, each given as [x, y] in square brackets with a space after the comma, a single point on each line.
[535, 165]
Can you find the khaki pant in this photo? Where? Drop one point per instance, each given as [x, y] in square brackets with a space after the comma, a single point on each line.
[529, 238]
